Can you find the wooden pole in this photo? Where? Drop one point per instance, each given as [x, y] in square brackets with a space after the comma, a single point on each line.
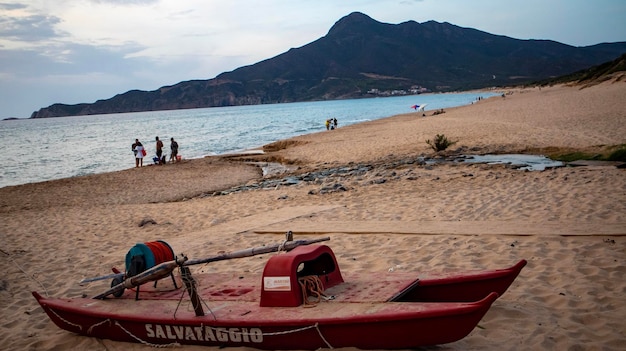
[190, 284]
[289, 245]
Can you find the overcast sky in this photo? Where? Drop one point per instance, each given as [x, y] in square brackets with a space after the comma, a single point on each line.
[74, 51]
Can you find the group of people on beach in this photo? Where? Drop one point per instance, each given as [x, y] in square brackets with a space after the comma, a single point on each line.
[331, 123]
[140, 152]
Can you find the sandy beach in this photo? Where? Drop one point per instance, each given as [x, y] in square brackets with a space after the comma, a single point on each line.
[389, 211]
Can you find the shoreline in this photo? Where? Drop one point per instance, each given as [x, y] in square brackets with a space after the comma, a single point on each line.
[363, 186]
[148, 160]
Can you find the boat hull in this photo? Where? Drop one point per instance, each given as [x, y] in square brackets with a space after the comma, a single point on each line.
[390, 325]
[460, 286]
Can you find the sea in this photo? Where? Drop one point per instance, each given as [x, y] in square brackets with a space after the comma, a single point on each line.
[36, 150]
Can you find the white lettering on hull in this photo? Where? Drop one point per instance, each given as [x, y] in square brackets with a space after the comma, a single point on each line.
[204, 333]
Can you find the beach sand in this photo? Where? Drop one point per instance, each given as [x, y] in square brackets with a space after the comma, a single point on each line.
[397, 214]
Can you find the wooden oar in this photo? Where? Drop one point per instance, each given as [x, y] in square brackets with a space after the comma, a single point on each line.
[164, 269]
[288, 245]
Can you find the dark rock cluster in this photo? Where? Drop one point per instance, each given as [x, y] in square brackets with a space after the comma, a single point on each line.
[336, 179]
[346, 177]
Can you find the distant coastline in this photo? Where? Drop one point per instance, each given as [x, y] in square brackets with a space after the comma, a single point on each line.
[337, 67]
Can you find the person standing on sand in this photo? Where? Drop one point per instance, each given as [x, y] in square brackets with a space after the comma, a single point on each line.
[174, 149]
[159, 149]
[138, 150]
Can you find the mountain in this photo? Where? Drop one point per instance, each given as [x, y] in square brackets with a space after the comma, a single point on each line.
[612, 70]
[361, 57]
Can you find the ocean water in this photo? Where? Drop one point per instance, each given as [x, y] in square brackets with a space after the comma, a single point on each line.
[37, 150]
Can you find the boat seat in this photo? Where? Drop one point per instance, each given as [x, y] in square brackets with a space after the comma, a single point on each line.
[280, 286]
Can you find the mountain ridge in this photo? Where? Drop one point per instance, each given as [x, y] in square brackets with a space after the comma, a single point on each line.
[360, 55]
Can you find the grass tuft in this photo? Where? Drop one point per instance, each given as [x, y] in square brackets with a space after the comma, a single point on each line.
[440, 143]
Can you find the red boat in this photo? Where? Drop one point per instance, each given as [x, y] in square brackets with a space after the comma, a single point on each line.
[302, 301]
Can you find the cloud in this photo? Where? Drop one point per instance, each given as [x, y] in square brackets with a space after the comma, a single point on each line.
[126, 2]
[12, 6]
[70, 73]
[30, 28]
[69, 58]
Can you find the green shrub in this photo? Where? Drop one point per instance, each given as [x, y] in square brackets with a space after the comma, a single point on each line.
[602, 153]
[440, 143]
[618, 155]
[574, 156]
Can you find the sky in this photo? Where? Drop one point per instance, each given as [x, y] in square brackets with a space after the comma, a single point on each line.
[80, 51]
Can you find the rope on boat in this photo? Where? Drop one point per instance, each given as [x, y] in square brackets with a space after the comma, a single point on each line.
[182, 294]
[161, 250]
[322, 336]
[316, 326]
[174, 344]
[281, 247]
[288, 238]
[195, 283]
[31, 276]
[311, 287]
[97, 324]
[65, 320]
